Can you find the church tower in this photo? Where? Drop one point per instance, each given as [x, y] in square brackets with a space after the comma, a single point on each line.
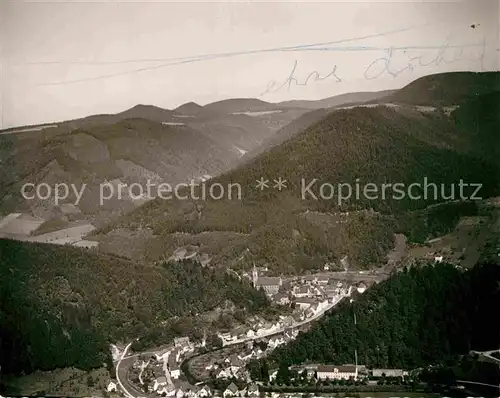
[255, 276]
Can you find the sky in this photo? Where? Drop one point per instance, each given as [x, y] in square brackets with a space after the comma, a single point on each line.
[67, 59]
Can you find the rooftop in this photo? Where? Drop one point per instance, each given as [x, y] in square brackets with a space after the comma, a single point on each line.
[235, 361]
[302, 289]
[305, 300]
[280, 296]
[232, 387]
[268, 281]
[181, 340]
[253, 387]
[337, 368]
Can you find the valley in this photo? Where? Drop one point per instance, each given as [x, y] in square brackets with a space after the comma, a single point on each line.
[249, 199]
[125, 283]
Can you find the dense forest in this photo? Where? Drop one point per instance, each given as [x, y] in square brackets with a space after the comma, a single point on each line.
[419, 316]
[61, 306]
[434, 221]
[442, 89]
[35, 337]
[453, 139]
[194, 289]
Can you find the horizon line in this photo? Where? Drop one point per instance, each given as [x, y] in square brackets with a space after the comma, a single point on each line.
[4, 129]
[206, 104]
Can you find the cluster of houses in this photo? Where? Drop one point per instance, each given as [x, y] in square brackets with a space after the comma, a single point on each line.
[308, 295]
[183, 389]
[322, 286]
[232, 390]
[160, 373]
[309, 286]
[234, 365]
[312, 293]
[261, 329]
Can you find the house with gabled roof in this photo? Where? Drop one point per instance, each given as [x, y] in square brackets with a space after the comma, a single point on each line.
[179, 393]
[253, 390]
[304, 303]
[231, 391]
[204, 392]
[192, 391]
[281, 298]
[302, 291]
[246, 357]
[235, 364]
[168, 390]
[159, 382]
[112, 386]
[223, 374]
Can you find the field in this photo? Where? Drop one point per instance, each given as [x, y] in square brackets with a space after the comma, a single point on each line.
[62, 382]
[23, 227]
[29, 129]
[465, 245]
[19, 224]
[399, 251]
[68, 235]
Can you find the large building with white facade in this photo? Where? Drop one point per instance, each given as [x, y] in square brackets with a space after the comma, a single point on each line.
[334, 372]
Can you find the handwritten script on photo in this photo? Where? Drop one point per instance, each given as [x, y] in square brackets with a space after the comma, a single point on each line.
[273, 86]
[393, 62]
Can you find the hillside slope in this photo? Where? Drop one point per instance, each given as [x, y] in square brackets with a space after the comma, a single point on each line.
[189, 109]
[133, 150]
[62, 306]
[288, 131]
[445, 89]
[141, 143]
[418, 317]
[338, 100]
[365, 144]
[241, 105]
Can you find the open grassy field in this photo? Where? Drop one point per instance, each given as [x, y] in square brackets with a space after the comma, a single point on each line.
[63, 382]
[466, 243]
[19, 224]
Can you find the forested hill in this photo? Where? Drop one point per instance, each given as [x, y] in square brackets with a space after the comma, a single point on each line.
[417, 317]
[62, 306]
[445, 89]
[452, 139]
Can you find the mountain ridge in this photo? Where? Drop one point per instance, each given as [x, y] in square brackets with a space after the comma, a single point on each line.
[340, 146]
[338, 100]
